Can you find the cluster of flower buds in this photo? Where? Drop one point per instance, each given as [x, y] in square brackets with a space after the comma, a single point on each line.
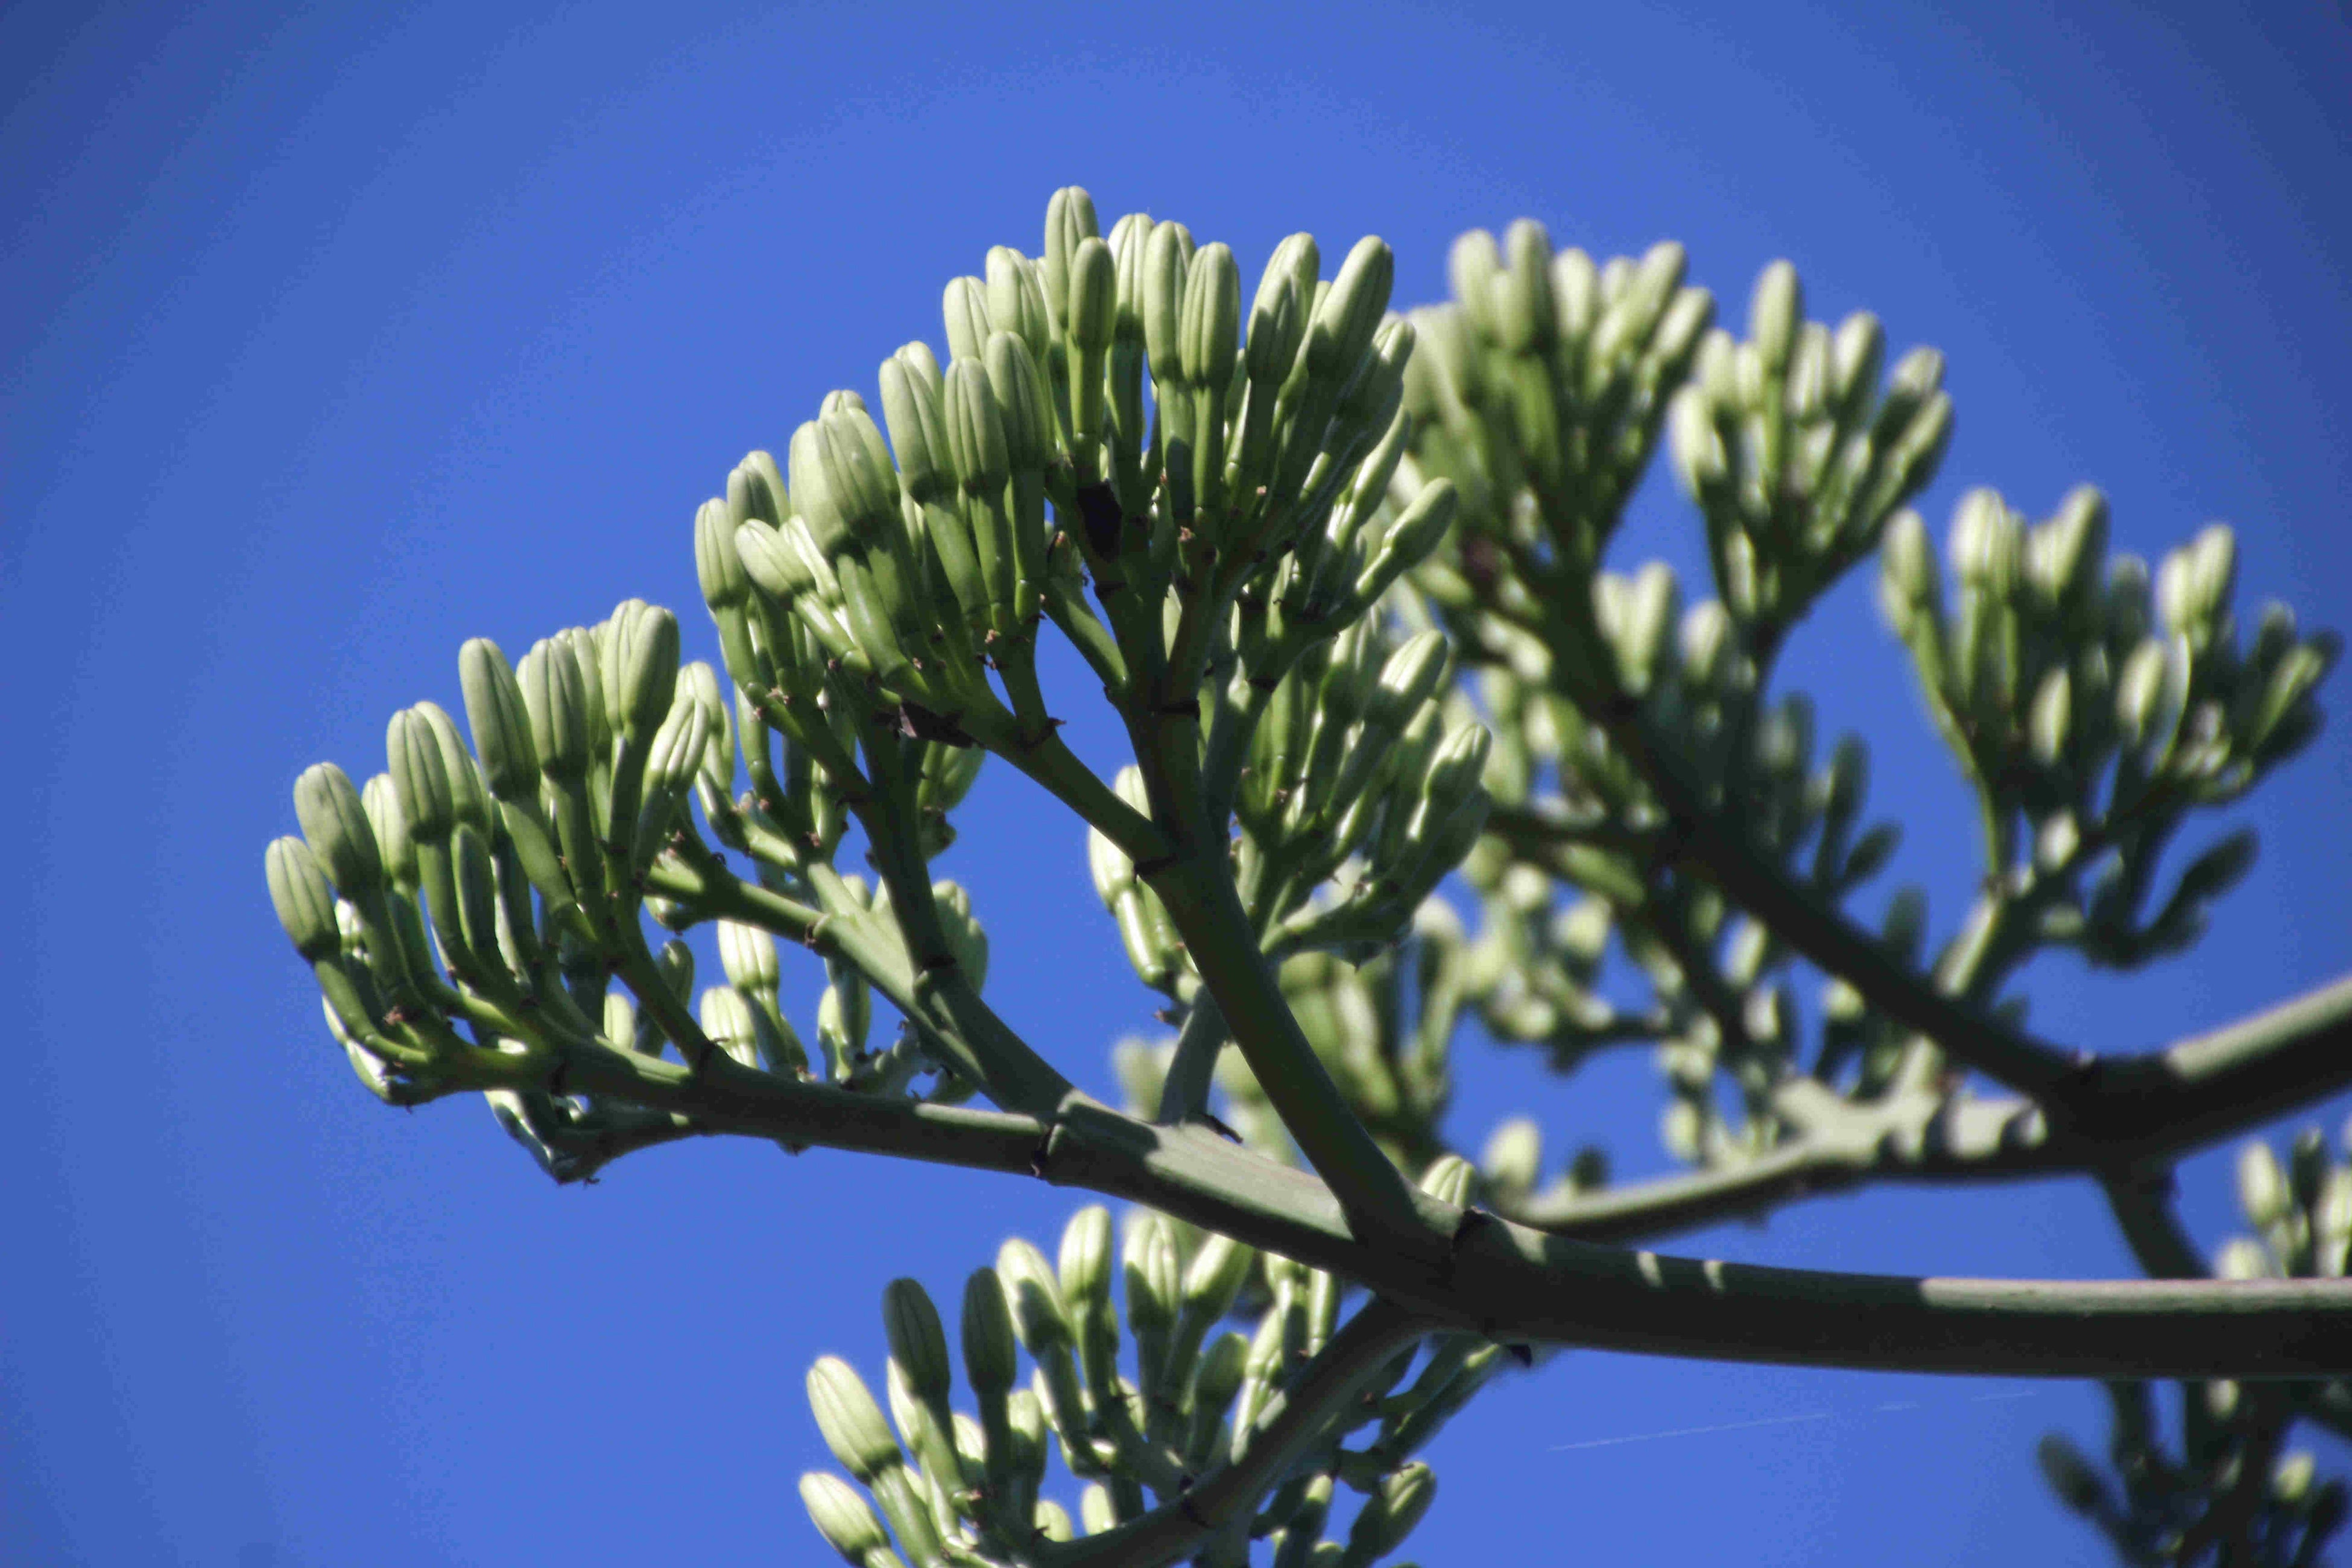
[414, 898]
[1138, 1415]
[1795, 454]
[2092, 715]
[2226, 1495]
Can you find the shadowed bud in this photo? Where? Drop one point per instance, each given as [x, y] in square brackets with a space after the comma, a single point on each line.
[1039, 1316]
[1390, 1513]
[1411, 674]
[1215, 1277]
[1209, 335]
[756, 489]
[304, 904]
[991, 1360]
[1085, 1270]
[1352, 311]
[917, 1342]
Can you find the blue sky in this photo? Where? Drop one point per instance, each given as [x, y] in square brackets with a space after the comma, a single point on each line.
[343, 334]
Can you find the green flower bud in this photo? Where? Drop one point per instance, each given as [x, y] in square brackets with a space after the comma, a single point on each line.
[2051, 718]
[382, 801]
[967, 939]
[1448, 1179]
[419, 776]
[917, 1342]
[1165, 259]
[1774, 313]
[1410, 542]
[2262, 1185]
[1391, 1514]
[841, 1517]
[552, 697]
[1039, 1315]
[304, 904]
[747, 954]
[976, 426]
[468, 798]
[916, 416]
[501, 725]
[1411, 675]
[864, 485]
[477, 892]
[2070, 1475]
[336, 824]
[1525, 319]
[1474, 267]
[1209, 334]
[849, 1420]
[1908, 568]
[1455, 771]
[639, 668]
[726, 1018]
[1094, 297]
[1987, 543]
[1218, 1378]
[755, 489]
[1053, 1520]
[771, 563]
[1351, 311]
[1016, 300]
[2141, 687]
[2243, 1258]
[1856, 354]
[1151, 1274]
[2063, 555]
[991, 1360]
[1513, 1158]
[1012, 376]
[1069, 223]
[964, 307]
[1215, 1277]
[717, 567]
[1085, 1271]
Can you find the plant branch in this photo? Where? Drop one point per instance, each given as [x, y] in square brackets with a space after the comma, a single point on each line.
[1299, 1416]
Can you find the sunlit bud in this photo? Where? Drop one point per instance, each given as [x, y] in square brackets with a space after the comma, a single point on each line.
[1475, 267]
[2140, 686]
[1094, 1509]
[916, 415]
[1855, 356]
[418, 775]
[552, 696]
[1013, 375]
[2066, 550]
[1525, 316]
[726, 1017]
[747, 954]
[2051, 718]
[964, 307]
[382, 800]
[639, 669]
[2262, 1185]
[717, 568]
[1069, 223]
[1034, 1296]
[859, 467]
[1051, 1520]
[1211, 320]
[991, 1360]
[1084, 1267]
[851, 1422]
[1094, 297]
[1414, 535]
[1454, 773]
[336, 824]
[1774, 313]
[976, 441]
[841, 1517]
[1407, 680]
[1016, 300]
[1448, 1179]
[756, 489]
[1352, 311]
[501, 726]
[304, 904]
[2241, 1257]
[1513, 1157]
[1215, 1277]
[1152, 1274]
[967, 939]
[917, 1342]
[1165, 259]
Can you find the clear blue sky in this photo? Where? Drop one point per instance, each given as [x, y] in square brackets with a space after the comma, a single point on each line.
[335, 336]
